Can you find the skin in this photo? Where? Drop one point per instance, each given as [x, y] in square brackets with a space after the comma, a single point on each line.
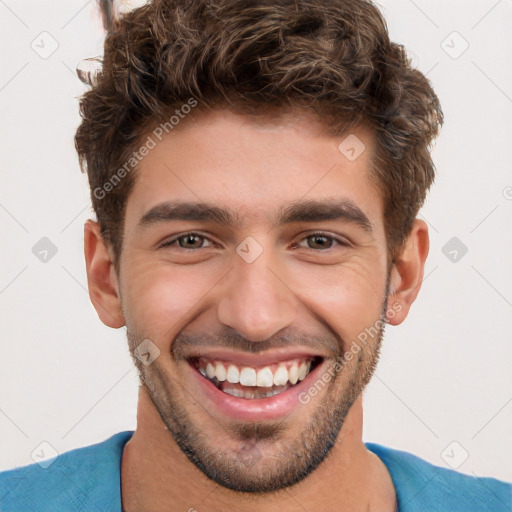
[322, 296]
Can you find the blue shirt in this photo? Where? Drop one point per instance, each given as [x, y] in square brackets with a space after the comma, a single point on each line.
[88, 479]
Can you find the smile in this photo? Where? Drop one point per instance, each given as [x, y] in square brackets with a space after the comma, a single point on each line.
[255, 382]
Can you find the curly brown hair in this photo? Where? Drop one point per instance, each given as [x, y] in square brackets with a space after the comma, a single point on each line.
[331, 58]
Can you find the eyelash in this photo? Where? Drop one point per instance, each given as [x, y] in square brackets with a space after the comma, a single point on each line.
[338, 241]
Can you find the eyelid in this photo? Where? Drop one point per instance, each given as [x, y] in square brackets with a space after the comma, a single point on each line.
[170, 241]
[341, 241]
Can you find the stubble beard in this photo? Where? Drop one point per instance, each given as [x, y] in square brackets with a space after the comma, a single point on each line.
[268, 460]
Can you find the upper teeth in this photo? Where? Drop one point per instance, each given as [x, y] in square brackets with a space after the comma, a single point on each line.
[266, 377]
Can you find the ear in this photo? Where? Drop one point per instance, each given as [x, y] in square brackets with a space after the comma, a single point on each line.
[102, 277]
[407, 273]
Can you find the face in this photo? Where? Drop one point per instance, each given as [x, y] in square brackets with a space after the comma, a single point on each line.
[254, 259]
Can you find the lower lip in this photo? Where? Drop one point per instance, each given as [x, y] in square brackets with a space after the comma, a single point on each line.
[255, 409]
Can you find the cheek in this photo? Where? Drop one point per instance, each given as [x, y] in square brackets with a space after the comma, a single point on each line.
[349, 298]
[159, 298]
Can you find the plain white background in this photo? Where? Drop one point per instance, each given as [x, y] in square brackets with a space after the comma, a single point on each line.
[443, 386]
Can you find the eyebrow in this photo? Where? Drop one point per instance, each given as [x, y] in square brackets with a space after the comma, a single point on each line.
[314, 211]
[300, 211]
[195, 211]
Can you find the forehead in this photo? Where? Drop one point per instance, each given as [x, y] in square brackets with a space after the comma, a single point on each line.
[255, 168]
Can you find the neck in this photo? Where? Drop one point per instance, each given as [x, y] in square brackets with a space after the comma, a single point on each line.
[156, 473]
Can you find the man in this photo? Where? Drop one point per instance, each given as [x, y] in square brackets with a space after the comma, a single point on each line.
[256, 170]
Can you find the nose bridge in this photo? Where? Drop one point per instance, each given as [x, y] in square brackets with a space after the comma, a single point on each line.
[256, 301]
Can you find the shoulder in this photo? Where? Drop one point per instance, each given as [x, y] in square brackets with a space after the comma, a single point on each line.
[423, 486]
[79, 480]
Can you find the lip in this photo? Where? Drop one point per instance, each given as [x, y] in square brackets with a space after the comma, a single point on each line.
[257, 409]
[255, 360]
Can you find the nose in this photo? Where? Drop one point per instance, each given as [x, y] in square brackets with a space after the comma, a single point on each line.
[256, 300]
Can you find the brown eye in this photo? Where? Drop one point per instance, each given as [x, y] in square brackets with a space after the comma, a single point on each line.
[188, 241]
[191, 241]
[319, 242]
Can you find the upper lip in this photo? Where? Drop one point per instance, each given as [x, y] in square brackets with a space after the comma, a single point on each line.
[255, 359]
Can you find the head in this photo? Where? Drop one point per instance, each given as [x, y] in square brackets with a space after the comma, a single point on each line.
[256, 171]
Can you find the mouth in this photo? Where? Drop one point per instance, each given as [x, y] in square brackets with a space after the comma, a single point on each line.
[253, 382]
[244, 390]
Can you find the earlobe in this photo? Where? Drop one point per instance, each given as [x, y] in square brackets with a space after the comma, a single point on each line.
[101, 277]
[407, 273]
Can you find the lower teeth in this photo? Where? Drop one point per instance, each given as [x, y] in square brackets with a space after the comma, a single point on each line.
[258, 393]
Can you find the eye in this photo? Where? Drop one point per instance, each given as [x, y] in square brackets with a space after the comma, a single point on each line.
[188, 241]
[320, 241]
